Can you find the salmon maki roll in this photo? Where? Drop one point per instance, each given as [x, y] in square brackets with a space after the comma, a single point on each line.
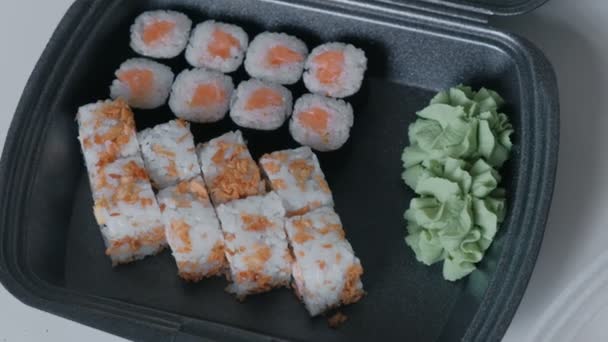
[256, 244]
[326, 271]
[260, 105]
[127, 211]
[296, 176]
[229, 171]
[143, 83]
[218, 46]
[321, 122]
[201, 95]
[160, 34]
[169, 153]
[192, 230]
[276, 57]
[335, 69]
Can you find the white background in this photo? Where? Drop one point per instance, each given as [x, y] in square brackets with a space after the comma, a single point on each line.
[567, 299]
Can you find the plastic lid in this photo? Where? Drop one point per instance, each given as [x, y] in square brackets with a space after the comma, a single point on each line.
[491, 7]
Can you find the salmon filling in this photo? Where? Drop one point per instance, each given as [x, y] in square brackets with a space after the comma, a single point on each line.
[315, 118]
[264, 98]
[279, 55]
[156, 31]
[329, 66]
[207, 95]
[139, 81]
[222, 43]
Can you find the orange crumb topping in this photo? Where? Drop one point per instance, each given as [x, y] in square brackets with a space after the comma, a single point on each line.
[198, 188]
[181, 122]
[255, 223]
[301, 171]
[278, 184]
[322, 184]
[132, 244]
[181, 229]
[257, 259]
[321, 264]
[183, 138]
[159, 149]
[336, 320]
[172, 169]
[217, 254]
[351, 293]
[183, 203]
[333, 227]
[271, 167]
[117, 135]
[162, 207]
[229, 237]
[326, 245]
[239, 176]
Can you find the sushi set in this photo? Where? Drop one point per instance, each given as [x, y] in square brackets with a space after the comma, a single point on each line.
[224, 221]
[239, 170]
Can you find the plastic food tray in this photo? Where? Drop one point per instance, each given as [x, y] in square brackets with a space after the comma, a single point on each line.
[51, 251]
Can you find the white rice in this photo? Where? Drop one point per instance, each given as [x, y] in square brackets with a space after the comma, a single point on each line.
[168, 46]
[256, 244]
[257, 63]
[193, 230]
[296, 176]
[169, 154]
[183, 94]
[326, 271]
[349, 80]
[126, 210]
[266, 118]
[339, 122]
[201, 53]
[153, 94]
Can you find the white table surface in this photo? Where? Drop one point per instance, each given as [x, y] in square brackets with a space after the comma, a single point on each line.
[567, 299]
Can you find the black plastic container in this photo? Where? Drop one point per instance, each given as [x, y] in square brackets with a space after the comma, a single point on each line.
[51, 252]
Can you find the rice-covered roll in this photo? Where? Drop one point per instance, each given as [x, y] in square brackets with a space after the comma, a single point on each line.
[201, 95]
[143, 83]
[276, 57]
[321, 122]
[106, 130]
[169, 153]
[229, 171]
[127, 211]
[296, 176]
[335, 69]
[326, 271]
[218, 46]
[192, 230]
[256, 244]
[260, 105]
[160, 34]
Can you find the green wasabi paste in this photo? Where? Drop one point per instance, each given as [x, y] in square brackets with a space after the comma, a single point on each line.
[457, 144]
